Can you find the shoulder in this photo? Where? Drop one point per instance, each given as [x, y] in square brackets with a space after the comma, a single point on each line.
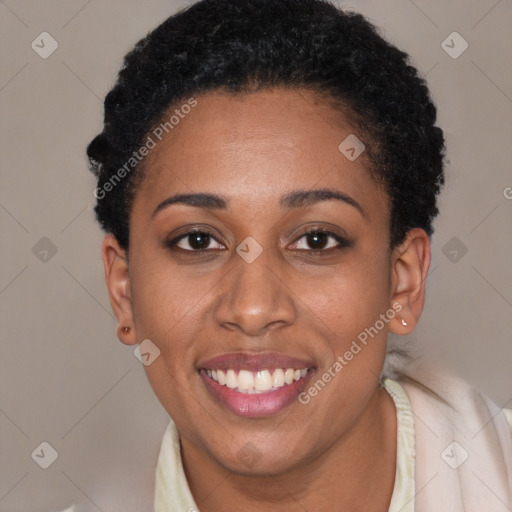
[450, 403]
[463, 442]
[453, 399]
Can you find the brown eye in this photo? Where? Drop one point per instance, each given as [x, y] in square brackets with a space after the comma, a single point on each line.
[198, 240]
[317, 239]
[321, 241]
[194, 241]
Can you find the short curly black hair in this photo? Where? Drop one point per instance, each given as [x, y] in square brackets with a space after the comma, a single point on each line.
[244, 46]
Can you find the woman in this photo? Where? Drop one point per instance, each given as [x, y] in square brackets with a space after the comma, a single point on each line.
[267, 178]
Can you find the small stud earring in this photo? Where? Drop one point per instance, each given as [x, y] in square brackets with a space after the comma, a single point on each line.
[125, 329]
[403, 321]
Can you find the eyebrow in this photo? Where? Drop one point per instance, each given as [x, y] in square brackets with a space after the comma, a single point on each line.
[295, 199]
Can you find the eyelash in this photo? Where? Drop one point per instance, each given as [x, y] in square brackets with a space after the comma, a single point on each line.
[342, 242]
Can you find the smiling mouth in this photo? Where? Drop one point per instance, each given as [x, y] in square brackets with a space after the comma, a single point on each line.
[256, 393]
[256, 382]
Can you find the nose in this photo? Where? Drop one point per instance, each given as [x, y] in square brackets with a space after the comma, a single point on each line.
[255, 297]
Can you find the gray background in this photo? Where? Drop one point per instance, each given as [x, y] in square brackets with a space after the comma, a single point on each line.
[65, 378]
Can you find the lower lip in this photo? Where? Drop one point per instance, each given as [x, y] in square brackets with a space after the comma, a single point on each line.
[256, 405]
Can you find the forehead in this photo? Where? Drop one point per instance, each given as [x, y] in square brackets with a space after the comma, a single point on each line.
[254, 147]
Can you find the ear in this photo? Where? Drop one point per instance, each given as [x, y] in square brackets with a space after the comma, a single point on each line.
[410, 264]
[115, 261]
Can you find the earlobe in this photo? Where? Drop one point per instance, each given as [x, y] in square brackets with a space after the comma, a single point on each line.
[115, 262]
[410, 264]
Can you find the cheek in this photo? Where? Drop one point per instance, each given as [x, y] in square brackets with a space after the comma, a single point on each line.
[166, 312]
[350, 301]
[164, 300]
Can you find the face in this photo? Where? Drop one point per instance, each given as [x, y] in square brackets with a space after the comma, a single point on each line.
[238, 263]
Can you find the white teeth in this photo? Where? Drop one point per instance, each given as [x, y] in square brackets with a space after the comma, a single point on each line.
[277, 378]
[245, 380]
[231, 380]
[263, 381]
[248, 382]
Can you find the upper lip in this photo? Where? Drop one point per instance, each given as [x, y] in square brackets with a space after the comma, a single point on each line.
[254, 361]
